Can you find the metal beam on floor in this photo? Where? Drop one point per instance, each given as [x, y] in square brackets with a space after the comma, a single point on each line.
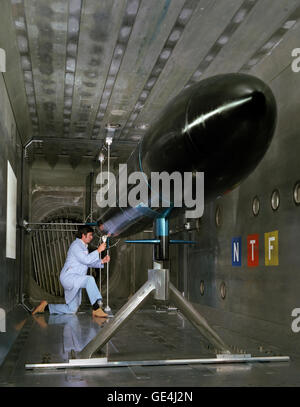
[103, 362]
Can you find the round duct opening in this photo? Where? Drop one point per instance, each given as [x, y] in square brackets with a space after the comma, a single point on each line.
[50, 242]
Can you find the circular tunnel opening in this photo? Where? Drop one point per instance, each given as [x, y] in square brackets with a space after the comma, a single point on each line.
[50, 241]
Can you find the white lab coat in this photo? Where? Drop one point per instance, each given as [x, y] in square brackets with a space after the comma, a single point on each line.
[75, 268]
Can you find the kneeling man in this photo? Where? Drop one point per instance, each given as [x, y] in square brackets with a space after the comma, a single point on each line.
[73, 276]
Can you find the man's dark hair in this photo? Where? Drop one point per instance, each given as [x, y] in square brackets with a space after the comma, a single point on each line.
[84, 230]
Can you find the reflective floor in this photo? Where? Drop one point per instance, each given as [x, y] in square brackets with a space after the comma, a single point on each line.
[151, 333]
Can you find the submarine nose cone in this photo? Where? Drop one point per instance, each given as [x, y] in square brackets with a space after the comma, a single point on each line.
[233, 130]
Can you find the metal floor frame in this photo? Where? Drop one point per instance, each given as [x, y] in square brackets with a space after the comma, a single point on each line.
[152, 334]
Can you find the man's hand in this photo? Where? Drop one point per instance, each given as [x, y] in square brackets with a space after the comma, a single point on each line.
[106, 259]
[101, 228]
[101, 247]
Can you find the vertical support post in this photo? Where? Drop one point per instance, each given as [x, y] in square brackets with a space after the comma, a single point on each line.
[91, 194]
[22, 240]
[101, 183]
[107, 308]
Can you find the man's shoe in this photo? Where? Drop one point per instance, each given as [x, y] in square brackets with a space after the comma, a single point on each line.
[99, 313]
[40, 308]
[100, 321]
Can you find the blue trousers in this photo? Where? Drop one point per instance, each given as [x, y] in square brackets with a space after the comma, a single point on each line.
[92, 290]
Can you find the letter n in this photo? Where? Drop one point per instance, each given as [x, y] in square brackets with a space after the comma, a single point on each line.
[236, 251]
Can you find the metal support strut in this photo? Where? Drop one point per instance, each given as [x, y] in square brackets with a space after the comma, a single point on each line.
[159, 287]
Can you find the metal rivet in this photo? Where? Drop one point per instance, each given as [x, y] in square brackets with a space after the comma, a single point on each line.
[275, 200]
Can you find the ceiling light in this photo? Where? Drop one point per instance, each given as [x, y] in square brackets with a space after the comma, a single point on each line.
[75, 6]
[268, 45]
[209, 58]
[118, 112]
[135, 138]
[151, 82]
[185, 14]
[22, 43]
[119, 50]
[223, 39]
[142, 126]
[20, 24]
[69, 78]
[125, 31]
[165, 54]
[25, 63]
[144, 95]
[70, 64]
[73, 25]
[197, 74]
[112, 126]
[240, 16]
[139, 106]
[72, 48]
[101, 157]
[175, 35]
[108, 140]
[253, 62]
[289, 24]
[132, 7]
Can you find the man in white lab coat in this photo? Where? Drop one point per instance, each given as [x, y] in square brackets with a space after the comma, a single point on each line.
[73, 277]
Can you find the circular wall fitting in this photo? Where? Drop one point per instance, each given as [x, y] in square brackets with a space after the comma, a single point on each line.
[223, 290]
[255, 206]
[275, 200]
[202, 287]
